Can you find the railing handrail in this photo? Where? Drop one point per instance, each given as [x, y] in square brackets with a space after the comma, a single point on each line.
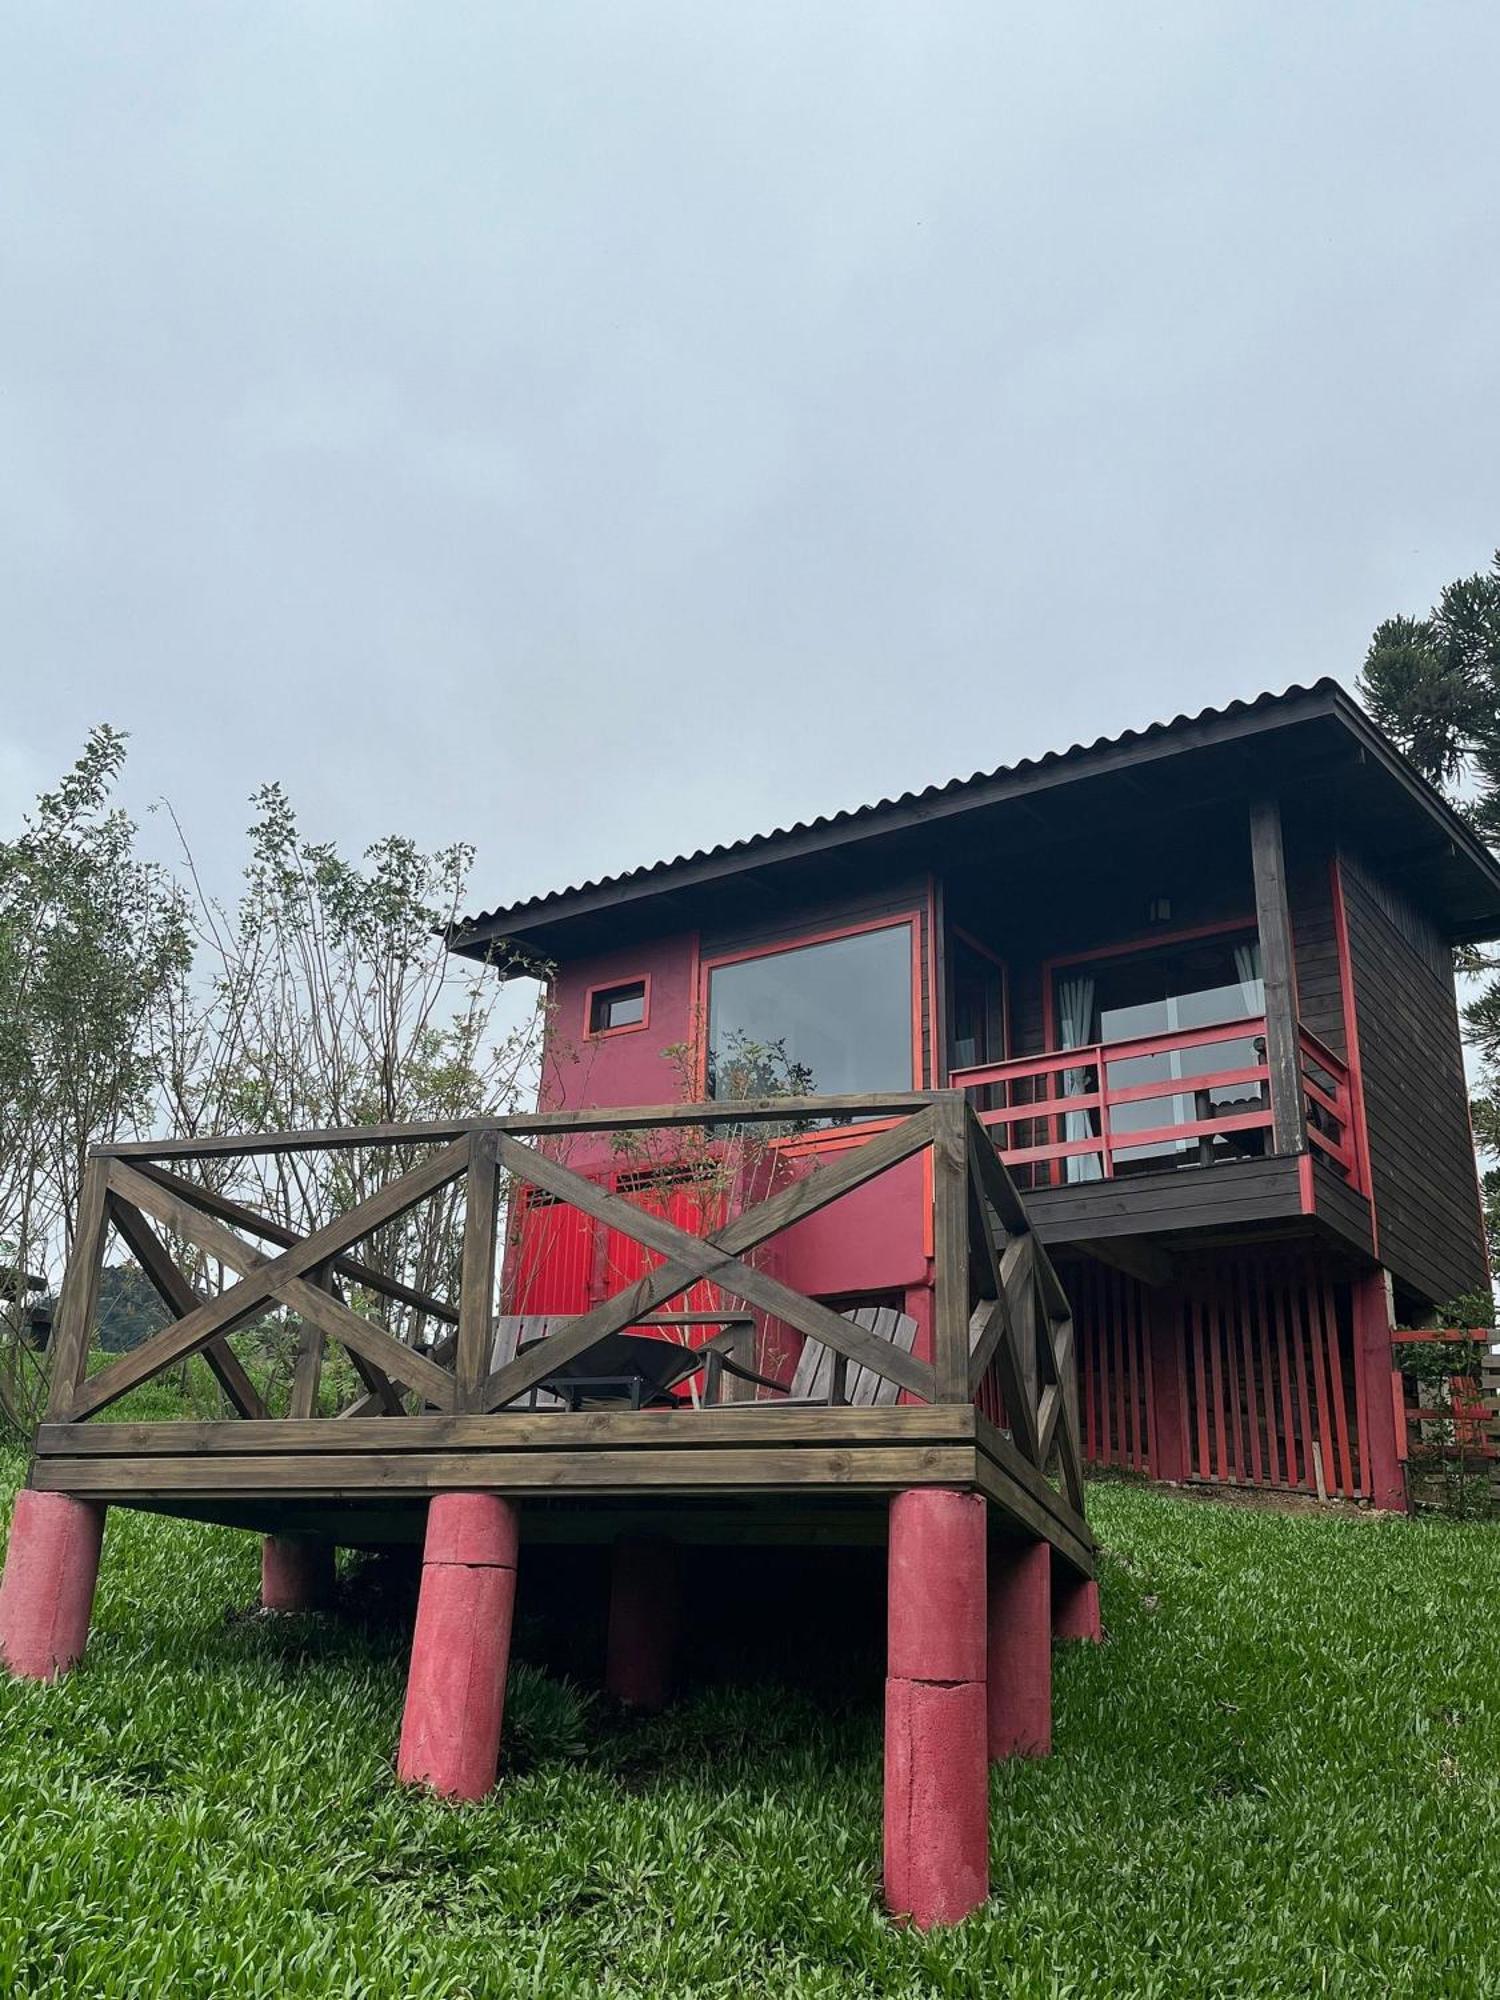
[1001, 1325]
[1316, 1047]
[1333, 1102]
[1088, 1055]
[520, 1125]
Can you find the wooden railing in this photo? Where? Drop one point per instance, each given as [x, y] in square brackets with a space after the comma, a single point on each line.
[1113, 1107]
[1329, 1106]
[1001, 1330]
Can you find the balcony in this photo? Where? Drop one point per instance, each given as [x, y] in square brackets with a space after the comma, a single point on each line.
[1169, 1107]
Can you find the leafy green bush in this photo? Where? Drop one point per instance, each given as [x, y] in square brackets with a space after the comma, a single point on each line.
[546, 1720]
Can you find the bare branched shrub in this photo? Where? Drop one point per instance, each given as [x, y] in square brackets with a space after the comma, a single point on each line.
[133, 1003]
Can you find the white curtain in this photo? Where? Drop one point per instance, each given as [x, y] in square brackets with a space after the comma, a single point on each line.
[1247, 972]
[1075, 1008]
[1247, 969]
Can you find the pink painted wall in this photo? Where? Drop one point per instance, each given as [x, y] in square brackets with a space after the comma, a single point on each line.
[627, 1066]
[874, 1240]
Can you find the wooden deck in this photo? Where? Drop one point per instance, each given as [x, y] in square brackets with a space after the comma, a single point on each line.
[751, 1472]
[443, 1418]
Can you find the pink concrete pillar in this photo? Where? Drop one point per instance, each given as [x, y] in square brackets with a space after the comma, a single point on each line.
[47, 1592]
[1075, 1607]
[1020, 1652]
[296, 1572]
[460, 1652]
[936, 1775]
[643, 1606]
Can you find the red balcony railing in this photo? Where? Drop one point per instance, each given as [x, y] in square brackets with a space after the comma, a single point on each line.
[1328, 1106]
[1191, 1096]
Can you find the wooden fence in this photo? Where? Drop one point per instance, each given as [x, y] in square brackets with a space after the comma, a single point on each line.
[1002, 1333]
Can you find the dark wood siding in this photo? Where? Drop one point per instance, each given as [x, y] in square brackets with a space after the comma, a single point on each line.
[1315, 945]
[1219, 1197]
[1340, 1211]
[1416, 1103]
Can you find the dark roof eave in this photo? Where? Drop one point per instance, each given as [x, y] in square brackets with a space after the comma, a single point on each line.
[474, 937]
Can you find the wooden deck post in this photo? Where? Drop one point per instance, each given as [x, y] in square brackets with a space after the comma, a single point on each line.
[455, 1690]
[1075, 1608]
[1278, 972]
[643, 1608]
[47, 1592]
[296, 1572]
[1020, 1652]
[950, 1261]
[936, 1771]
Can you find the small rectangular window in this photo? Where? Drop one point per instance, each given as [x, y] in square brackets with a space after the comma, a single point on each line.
[622, 1006]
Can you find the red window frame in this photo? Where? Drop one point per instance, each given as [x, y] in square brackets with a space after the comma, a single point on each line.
[1002, 966]
[911, 920]
[593, 1034]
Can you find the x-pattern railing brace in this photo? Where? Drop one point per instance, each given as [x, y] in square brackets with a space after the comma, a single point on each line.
[998, 1307]
[264, 1281]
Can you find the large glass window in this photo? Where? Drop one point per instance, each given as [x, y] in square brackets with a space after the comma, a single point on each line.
[1193, 985]
[822, 1019]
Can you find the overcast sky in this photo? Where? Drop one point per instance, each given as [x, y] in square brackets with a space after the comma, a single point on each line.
[599, 431]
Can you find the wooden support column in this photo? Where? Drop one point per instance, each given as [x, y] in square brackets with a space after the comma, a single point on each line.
[47, 1591]
[950, 1234]
[643, 1617]
[296, 1573]
[1075, 1607]
[1283, 1054]
[1020, 1652]
[936, 1768]
[460, 1652]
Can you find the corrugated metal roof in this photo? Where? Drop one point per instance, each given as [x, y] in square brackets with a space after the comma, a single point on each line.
[520, 915]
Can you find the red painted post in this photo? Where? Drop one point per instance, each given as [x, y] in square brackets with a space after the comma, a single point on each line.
[1075, 1608]
[1169, 1417]
[1020, 1652]
[296, 1573]
[455, 1689]
[1374, 1364]
[643, 1613]
[47, 1592]
[936, 1772]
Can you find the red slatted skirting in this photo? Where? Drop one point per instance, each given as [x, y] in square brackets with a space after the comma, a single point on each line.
[1262, 1342]
[1268, 1383]
[1114, 1365]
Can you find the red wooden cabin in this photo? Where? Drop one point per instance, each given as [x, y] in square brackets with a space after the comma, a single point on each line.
[1197, 981]
[1110, 1106]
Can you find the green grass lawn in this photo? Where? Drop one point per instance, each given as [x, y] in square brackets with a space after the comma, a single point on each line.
[1281, 1776]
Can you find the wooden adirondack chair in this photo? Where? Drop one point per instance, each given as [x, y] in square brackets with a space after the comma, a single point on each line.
[510, 1330]
[813, 1378]
[811, 1382]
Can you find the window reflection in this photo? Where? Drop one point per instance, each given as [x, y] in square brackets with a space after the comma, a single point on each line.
[824, 1019]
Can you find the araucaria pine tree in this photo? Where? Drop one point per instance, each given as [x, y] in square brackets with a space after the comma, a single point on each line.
[1434, 684]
